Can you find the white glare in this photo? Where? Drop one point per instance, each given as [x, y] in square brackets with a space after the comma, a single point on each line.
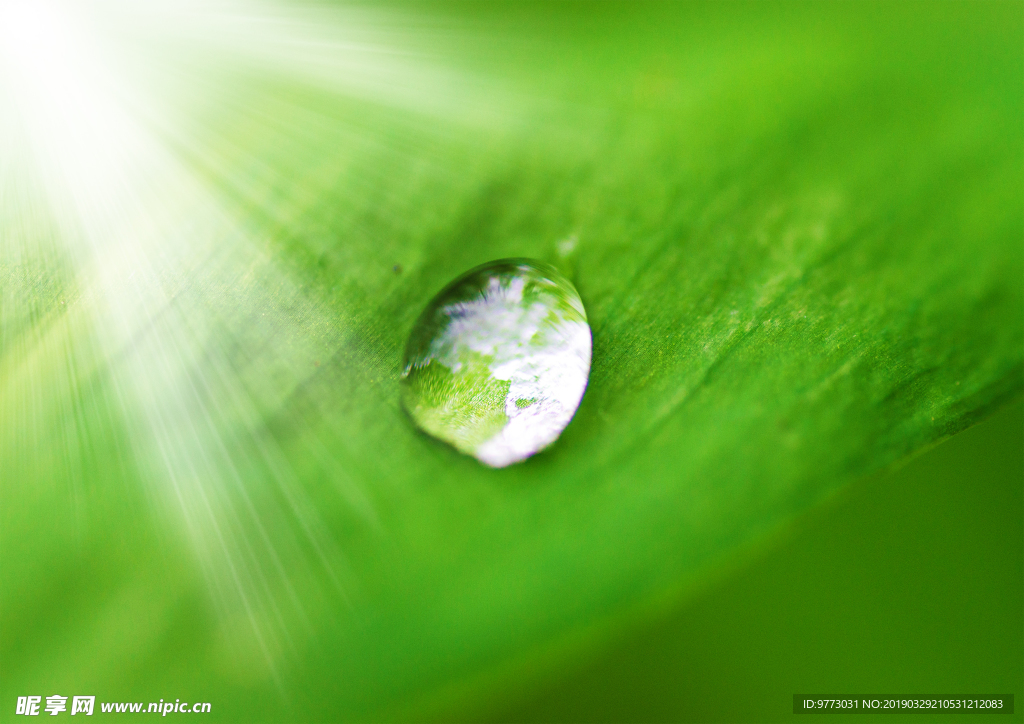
[157, 256]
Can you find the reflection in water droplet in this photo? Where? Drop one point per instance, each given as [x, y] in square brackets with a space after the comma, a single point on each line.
[497, 363]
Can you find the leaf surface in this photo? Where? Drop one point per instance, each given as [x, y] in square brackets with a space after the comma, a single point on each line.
[797, 231]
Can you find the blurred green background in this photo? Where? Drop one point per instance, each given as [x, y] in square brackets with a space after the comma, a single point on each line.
[910, 581]
[797, 230]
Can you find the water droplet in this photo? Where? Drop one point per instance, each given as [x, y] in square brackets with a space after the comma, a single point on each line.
[497, 363]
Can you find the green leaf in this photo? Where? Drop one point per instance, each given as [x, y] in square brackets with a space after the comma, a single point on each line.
[796, 229]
